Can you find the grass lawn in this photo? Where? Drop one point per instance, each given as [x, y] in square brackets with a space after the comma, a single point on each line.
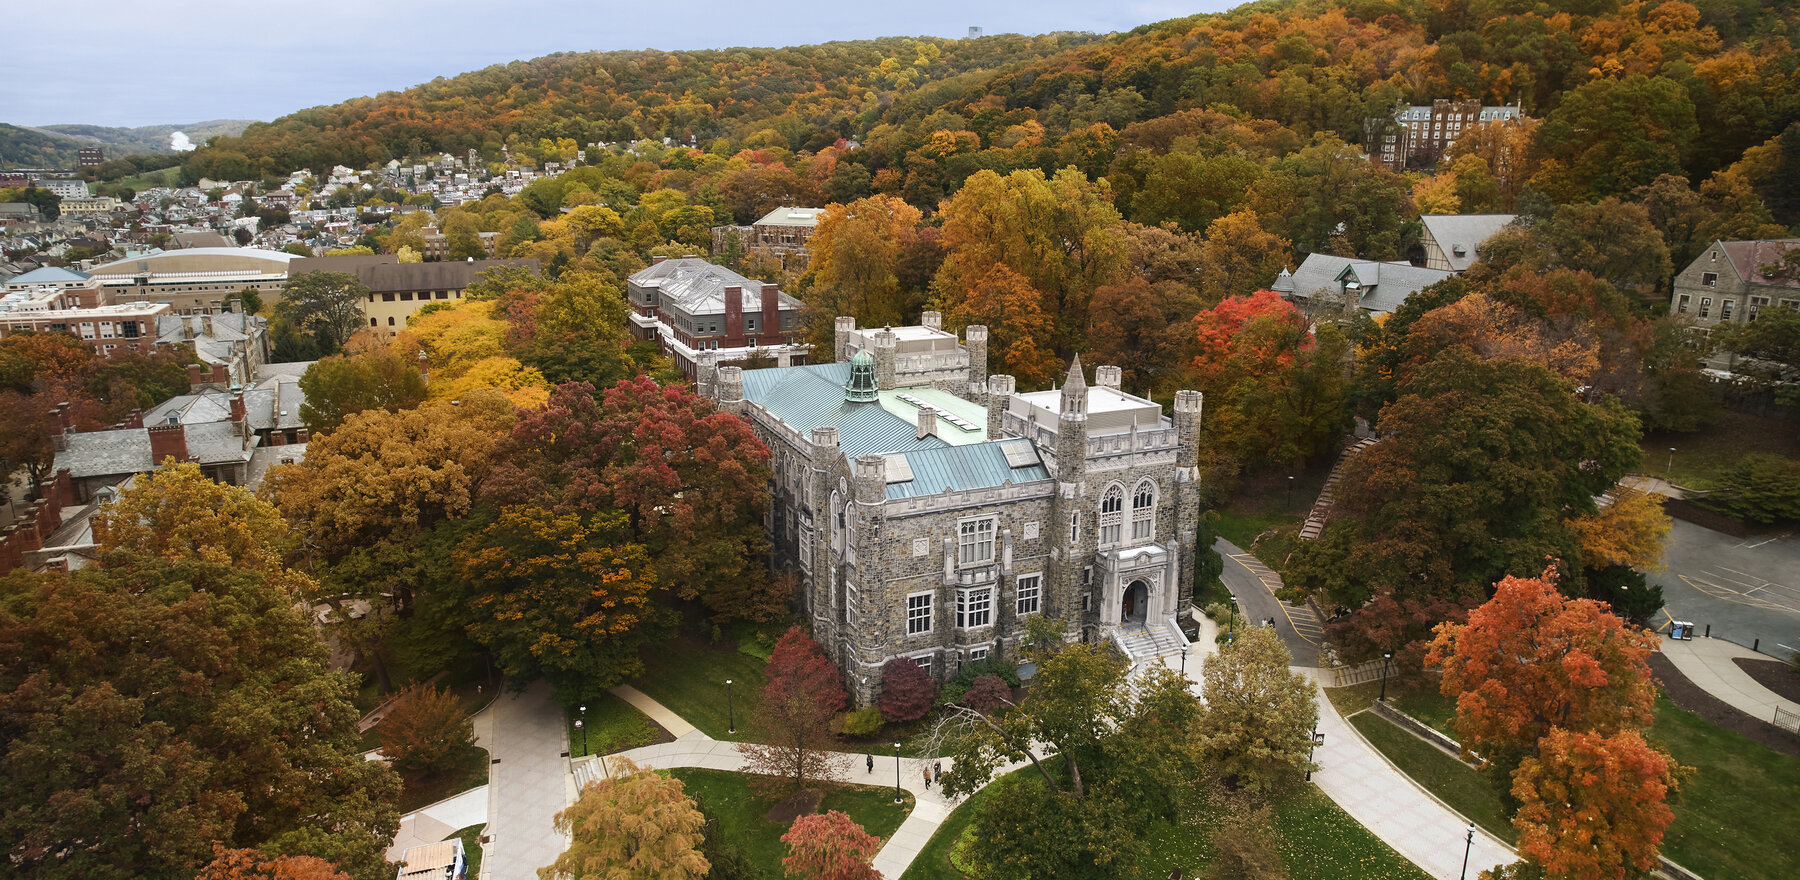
[423, 791]
[1454, 783]
[613, 725]
[1421, 702]
[471, 838]
[1702, 457]
[688, 675]
[728, 798]
[1318, 840]
[1732, 819]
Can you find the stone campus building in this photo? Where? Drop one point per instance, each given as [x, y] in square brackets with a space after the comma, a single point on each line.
[929, 508]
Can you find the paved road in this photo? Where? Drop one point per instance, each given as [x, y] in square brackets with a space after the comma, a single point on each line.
[1254, 585]
[528, 784]
[1747, 590]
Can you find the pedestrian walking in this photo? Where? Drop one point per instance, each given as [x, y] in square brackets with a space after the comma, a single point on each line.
[927, 778]
[871, 763]
[937, 770]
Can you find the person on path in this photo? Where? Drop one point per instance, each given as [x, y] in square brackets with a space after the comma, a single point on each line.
[927, 778]
[871, 763]
[937, 770]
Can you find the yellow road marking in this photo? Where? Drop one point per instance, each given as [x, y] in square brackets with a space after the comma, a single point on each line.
[1307, 622]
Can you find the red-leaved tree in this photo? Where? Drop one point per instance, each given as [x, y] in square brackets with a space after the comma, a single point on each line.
[793, 720]
[830, 846]
[250, 864]
[906, 690]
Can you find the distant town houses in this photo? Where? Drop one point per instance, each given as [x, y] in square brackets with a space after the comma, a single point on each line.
[1731, 283]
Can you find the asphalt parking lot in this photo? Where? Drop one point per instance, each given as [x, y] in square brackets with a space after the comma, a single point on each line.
[1746, 589]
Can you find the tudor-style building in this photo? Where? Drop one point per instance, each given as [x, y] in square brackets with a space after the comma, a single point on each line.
[929, 509]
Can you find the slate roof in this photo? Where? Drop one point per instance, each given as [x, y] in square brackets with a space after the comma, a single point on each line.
[813, 396]
[1384, 285]
[1748, 258]
[50, 275]
[101, 453]
[216, 443]
[1469, 231]
[697, 287]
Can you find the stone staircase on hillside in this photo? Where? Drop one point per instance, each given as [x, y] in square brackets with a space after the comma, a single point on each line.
[1321, 509]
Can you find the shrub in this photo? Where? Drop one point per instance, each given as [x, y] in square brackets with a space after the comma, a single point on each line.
[861, 723]
[1760, 487]
[958, 687]
[988, 694]
[906, 690]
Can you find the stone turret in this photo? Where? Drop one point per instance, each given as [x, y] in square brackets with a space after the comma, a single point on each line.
[887, 351]
[1074, 515]
[845, 327]
[932, 320]
[1188, 405]
[731, 390]
[1000, 389]
[975, 342]
[1074, 400]
[706, 375]
[1109, 377]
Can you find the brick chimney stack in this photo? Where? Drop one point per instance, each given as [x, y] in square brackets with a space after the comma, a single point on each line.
[734, 315]
[166, 441]
[771, 313]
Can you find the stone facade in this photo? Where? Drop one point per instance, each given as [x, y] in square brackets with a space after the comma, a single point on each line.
[931, 522]
[1726, 284]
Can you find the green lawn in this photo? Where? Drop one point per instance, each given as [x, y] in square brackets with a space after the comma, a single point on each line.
[612, 725]
[688, 675]
[1454, 783]
[729, 799]
[471, 838]
[1241, 527]
[1702, 457]
[1421, 702]
[1732, 819]
[1318, 840]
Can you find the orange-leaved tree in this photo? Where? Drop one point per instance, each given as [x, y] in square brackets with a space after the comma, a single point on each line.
[1531, 660]
[1593, 805]
[830, 846]
[251, 864]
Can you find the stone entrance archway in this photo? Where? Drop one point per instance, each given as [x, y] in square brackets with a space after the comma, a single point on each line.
[1136, 604]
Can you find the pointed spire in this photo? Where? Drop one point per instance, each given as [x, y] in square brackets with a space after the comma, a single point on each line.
[1074, 392]
[1075, 379]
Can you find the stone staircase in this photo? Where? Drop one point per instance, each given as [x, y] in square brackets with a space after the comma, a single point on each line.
[1321, 509]
[1146, 643]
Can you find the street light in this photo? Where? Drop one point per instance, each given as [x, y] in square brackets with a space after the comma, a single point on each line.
[897, 797]
[1318, 739]
[583, 728]
[1290, 494]
[1231, 623]
[1385, 659]
[730, 710]
[1468, 844]
[1184, 661]
[1669, 472]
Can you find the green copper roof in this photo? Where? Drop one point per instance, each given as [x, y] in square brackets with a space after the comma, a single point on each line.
[861, 387]
[958, 468]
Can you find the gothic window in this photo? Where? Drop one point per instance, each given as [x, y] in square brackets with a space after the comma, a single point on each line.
[849, 604]
[1143, 511]
[918, 614]
[976, 541]
[1112, 515]
[1031, 590]
[837, 523]
[974, 607]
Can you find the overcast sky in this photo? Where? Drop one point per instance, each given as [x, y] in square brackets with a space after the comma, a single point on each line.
[146, 62]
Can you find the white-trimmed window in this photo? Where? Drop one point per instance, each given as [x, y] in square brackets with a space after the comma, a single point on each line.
[1075, 527]
[974, 607]
[1143, 511]
[975, 541]
[1112, 515]
[918, 614]
[923, 663]
[977, 654]
[1031, 592]
[849, 603]
[1087, 601]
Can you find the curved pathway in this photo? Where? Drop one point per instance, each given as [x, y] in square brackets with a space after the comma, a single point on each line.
[1709, 664]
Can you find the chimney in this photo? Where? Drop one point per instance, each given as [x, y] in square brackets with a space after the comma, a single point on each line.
[63, 489]
[135, 419]
[657, 260]
[927, 422]
[238, 410]
[219, 376]
[166, 441]
[734, 315]
[196, 376]
[1109, 376]
[187, 329]
[771, 312]
[206, 325]
[65, 417]
[303, 436]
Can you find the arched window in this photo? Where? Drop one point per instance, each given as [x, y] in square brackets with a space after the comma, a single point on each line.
[1112, 515]
[1143, 511]
[836, 513]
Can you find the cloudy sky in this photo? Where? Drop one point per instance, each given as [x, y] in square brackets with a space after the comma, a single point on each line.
[144, 62]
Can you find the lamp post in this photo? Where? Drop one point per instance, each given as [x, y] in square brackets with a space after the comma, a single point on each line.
[897, 797]
[1385, 660]
[1468, 844]
[1184, 649]
[583, 728]
[1290, 493]
[1231, 623]
[1669, 472]
[1318, 739]
[730, 710]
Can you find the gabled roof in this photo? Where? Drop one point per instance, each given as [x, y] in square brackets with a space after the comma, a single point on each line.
[1466, 231]
[698, 287]
[50, 275]
[1382, 286]
[1748, 257]
[102, 453]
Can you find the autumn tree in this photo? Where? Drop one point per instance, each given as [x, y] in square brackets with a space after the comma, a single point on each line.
[1531, 660]
[178, 513]
[634, 825]
[1193, 188]
[196, 682]
[1239, 257]
[691, 481]
[1630, 531]
[250, 864]
[1256, 730]
[793, 719]
[328, 304]
[1593, 804]
[856, 255]
[26, 436]
[1327, 198]
[340, 386]
[1769, 345]
[1274, 387]
[1246, 846]
[1610, 135]
[1143, 327]
[426, 731]
[829, 846]
[906, 690]
[1020, 333]
[566, 597]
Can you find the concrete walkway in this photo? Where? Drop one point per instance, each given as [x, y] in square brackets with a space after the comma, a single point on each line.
[676, 725]
[528, 783]
[1393, 807]
[1708, 663]
[438, 821]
